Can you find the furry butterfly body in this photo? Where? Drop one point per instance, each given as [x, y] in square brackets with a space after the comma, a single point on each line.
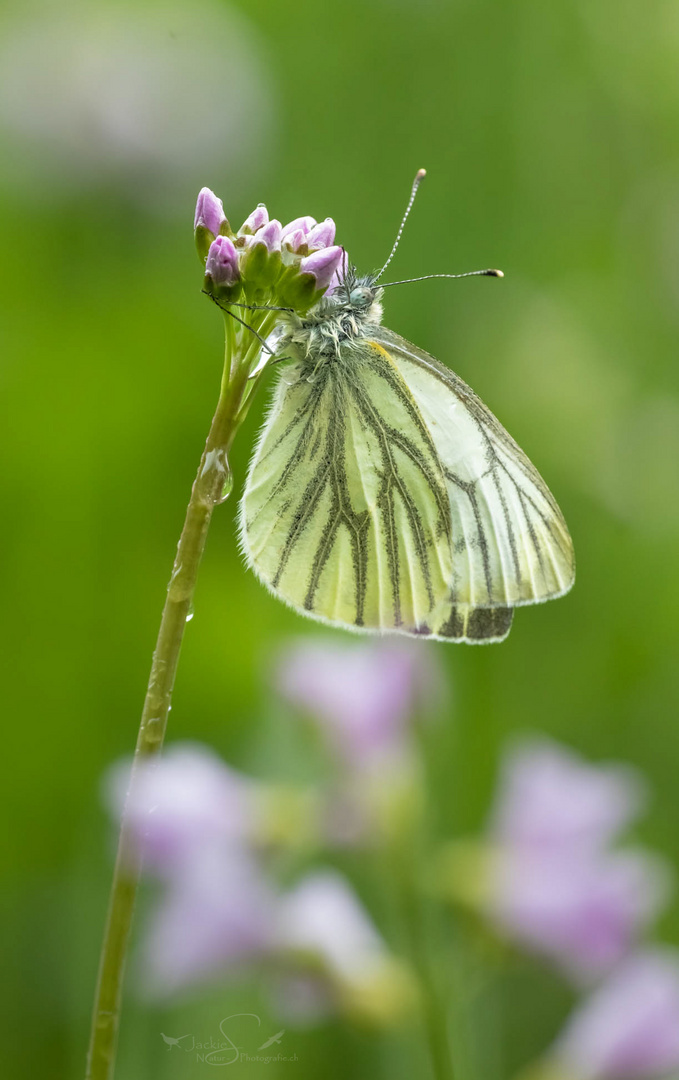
[384, 496]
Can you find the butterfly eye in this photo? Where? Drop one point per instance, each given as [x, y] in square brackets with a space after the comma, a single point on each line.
[360, 296]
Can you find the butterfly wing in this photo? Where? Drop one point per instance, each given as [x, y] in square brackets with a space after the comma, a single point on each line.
[346, 513]
[510, 542]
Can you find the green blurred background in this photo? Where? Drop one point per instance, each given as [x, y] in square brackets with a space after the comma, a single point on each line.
[550, 133]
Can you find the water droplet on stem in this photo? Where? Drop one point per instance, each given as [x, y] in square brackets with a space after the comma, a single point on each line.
[217, 468]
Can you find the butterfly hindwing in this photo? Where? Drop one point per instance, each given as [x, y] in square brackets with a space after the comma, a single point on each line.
[510, 542]
[346, 514]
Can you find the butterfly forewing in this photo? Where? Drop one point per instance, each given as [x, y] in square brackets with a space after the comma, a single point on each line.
[346, 512]
[510, 542]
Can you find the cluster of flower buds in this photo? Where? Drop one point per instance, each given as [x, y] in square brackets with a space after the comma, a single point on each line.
[264, 261]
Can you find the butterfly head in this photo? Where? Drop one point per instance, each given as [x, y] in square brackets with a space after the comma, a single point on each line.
[362, 297]
[357, 296]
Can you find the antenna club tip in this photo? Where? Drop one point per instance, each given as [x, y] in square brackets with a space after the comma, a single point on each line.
[421, 173]
[494, 273]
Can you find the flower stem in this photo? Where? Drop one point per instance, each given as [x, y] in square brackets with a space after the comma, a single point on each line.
[211, 487]
[435, 1013]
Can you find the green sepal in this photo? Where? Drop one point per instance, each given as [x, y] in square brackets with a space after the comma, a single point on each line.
[225, 293]
[260, 267]
[297, 290]
[203, 238]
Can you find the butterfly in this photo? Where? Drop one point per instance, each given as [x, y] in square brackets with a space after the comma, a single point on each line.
[383, 495]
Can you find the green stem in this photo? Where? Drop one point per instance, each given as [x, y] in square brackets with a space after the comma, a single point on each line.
[435, 1013]
[208, 491]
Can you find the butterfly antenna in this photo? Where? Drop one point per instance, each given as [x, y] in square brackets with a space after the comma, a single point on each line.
[470, 273]
[419, 177]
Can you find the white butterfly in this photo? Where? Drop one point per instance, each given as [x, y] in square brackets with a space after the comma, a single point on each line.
[384, 496]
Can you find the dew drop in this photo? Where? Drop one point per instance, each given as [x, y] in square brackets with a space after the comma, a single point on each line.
[227, 486]
[217, 466]
[190, 613]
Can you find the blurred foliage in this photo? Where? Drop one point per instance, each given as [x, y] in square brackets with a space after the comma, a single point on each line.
[551, 137]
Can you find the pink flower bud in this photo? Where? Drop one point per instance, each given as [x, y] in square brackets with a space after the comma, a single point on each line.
[270, 235]
[322, 235]
[322, 264]
[222, 262]
[339, 275]
[303, 223]
[258, 218]
[294, 240]
[209, 211]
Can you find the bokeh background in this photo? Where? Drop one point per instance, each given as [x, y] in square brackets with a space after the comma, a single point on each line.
[550, 133]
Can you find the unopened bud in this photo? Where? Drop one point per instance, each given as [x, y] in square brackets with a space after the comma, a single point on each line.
[258, 218]
[295, 240]
[270, 235]
[208, 220]
[221, 267]
[322, 264]
[304, 223]
[322, 235]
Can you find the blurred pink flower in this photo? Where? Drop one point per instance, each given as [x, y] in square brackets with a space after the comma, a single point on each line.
[363, 696]
[332, 956]
[629, 1027]
[196, 822]
[549, 797]
[186, 800]
[552, 883]
[216, 915]
[581, 909]
[96, 94]
[323, 918]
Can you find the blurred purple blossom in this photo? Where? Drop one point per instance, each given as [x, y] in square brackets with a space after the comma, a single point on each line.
[199, 825]
[215, 916]
[629, 1027]
[583, 910]
[548, 797]
[209, 211]
[335, 956]
[362, 695]
[551, 881]
[187, 799]
[322, 917]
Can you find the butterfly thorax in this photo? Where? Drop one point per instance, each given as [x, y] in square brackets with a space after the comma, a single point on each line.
[336, 323]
